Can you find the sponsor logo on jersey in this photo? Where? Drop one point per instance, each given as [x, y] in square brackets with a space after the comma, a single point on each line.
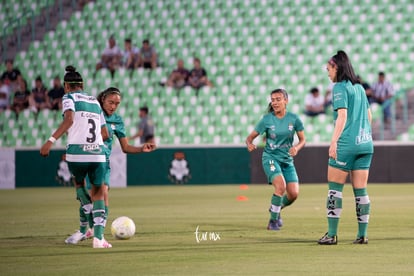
[95, 148]
[84, 97]
[113, 127]
[66, 104]
[363, 137]
[290, 127]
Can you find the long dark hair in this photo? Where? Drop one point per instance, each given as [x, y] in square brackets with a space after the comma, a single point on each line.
[278, 90]
[109, 91]
[73, 78]
[345, 71]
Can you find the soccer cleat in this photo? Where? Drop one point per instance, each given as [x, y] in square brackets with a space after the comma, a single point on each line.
[279, 221]
[75, 238]
[361, 240]
[273, 225]
[89, 233]
[97, 243]
[326, 240]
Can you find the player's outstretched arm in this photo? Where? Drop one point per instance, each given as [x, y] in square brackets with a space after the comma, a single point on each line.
[249, 141]
[138, 134]
[64, 126]
[127, 148]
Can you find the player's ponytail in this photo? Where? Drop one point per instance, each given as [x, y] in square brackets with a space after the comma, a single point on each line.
[73, 78]
[345, 71]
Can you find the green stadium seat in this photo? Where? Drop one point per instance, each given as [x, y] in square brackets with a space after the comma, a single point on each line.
[243, 58]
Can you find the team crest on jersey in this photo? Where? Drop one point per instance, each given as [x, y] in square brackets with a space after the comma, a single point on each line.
[290, 127]
[272, 135]
[113, 126]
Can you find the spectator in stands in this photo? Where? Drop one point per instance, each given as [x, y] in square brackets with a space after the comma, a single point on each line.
[328, 95]
[9, 76]
[130, 55]
[147, 57]
[39, 99]
[314, 103]
[145, 127]
[198, 76]
[56, 94]
[382, 91]
[368, 90]
[4, 96]
[111, 57]
[21, 96]
[179, 77]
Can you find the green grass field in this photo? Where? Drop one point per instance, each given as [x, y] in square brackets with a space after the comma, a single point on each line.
[35, 223]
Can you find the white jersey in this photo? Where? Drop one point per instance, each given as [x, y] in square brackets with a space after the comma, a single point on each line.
[85, 142]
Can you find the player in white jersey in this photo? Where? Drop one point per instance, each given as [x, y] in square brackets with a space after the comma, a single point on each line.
[85, 124]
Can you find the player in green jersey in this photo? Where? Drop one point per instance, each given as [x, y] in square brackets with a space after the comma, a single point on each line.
[351, 148]
[280, 126]
[85, 124]
[109, 100]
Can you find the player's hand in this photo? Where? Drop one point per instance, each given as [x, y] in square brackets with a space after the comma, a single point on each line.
[45, 150]
[293, 151]
[251, 147]
[148, 147]
[332, 150]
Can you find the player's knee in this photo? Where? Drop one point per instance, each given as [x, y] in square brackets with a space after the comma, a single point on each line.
[293, 195]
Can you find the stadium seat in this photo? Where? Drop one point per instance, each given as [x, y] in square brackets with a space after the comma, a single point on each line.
[247, 47]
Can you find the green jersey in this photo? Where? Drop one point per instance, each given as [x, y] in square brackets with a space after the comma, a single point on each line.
[116, 127]
[279, 134]
[357, 135]
[85, 142]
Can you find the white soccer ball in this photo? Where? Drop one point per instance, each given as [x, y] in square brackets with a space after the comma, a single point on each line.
[123, 228]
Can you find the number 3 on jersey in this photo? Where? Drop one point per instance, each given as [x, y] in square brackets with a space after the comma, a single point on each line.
[91, 131]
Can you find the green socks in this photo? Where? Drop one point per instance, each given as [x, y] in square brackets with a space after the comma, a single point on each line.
[85, 211]
[363, 208]
[83, 221]
[99, 218]
[286, 201]
[334, 207]
[83, 196]
[275, 207]
[106, 214]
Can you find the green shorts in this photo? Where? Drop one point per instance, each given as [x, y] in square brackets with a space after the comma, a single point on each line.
[273, 168]
[94, 170]
[351, 162]
[107, 175]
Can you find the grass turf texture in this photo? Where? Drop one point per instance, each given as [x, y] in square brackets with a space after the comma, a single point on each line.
[35, 223]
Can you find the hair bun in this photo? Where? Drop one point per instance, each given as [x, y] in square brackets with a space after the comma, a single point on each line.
[70, 68]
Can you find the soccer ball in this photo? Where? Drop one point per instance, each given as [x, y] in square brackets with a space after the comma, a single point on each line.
[123, 228]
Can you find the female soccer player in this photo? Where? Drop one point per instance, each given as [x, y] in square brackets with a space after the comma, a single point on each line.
[351, 147]
[85, 124]
[280, 126]
[109, 100]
